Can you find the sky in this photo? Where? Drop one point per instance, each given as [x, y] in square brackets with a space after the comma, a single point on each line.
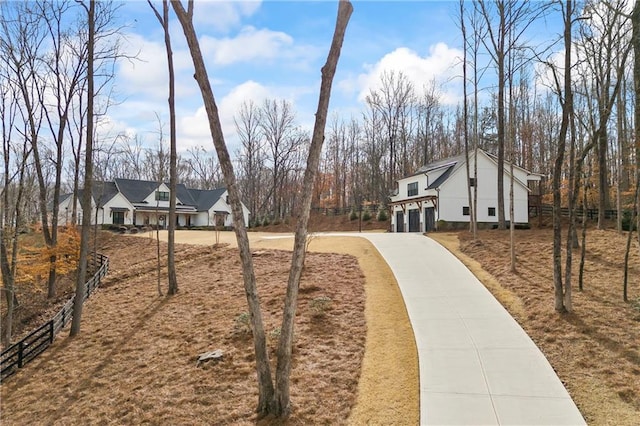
[275, 49]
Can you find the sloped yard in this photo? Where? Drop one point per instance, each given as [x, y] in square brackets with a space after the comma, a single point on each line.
[596, 349]
[135, 361]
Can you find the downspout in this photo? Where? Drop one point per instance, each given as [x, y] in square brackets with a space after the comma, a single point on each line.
[437, 207]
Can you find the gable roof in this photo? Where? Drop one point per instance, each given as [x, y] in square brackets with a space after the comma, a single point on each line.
[136, 190]
[451, 161]
[206, 198]
[103, 192]
[443, 177]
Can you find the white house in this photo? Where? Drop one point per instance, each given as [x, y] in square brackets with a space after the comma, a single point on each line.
[140, 203]
[438, 191]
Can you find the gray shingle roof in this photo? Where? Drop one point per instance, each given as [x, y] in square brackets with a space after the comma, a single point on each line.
[136, 190]
[206, 198]
[442, 178]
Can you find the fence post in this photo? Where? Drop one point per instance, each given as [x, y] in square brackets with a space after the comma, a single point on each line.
[51, 331]
[20, 350]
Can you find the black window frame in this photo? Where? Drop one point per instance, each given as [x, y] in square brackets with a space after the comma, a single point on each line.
[162, 196]
[118, 218]
[491, 211]
[412, 189]
[466, 211]
[472, 182]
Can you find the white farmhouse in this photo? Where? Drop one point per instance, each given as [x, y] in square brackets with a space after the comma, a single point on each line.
[141, 203]
[438, 192]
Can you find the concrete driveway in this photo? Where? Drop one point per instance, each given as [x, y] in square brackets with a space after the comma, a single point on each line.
[477, 365]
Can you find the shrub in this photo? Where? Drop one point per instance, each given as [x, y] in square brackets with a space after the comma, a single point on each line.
[242, 324]
[382, 215]
[442, 225]
[274, 335]
[319, 306]
[366, 215]
[353, 215]
[265, 221]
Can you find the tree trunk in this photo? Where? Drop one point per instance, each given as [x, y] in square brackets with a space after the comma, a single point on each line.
[263, 369]
[465, 119]
[557, 172]
[635, 218]
[625, 296]
[583, 245]
[88, 178]
[635, 42]
[171, 228]
[283, 369]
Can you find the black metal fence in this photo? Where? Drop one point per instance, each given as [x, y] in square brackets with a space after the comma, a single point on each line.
[21, 353]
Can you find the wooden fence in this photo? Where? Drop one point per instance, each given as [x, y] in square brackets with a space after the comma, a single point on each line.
[592, 214]
[21, 353]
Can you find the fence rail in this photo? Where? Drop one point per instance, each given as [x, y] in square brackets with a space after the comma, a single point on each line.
[592, 214]
[26, 350]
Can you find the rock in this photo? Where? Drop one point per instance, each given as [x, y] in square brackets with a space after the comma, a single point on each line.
[206, 356]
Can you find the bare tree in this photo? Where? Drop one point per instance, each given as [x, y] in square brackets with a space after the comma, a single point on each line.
[605, 48]
[250, 155]
[164, 22]
[10, 204]
[562, 295]
[635, 218]
[271, 400]
[88, 174]
[465, 114]
[513, 18]
[277, 124]
[392, 102]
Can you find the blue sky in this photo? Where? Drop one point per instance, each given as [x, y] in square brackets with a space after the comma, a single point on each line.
[275, 49]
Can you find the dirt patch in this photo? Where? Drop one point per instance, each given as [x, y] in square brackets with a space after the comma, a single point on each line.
[596, 349]
[135, 359]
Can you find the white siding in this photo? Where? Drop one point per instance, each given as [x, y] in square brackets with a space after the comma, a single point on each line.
[453, 196]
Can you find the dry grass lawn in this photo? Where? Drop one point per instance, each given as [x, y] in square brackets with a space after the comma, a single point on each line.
[356, 364]
[134, 362]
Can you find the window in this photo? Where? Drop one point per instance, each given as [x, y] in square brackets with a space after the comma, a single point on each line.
[412, 189]
[472, 182]
[465, 211]
[162, 196]
[118, 218]
[492, 211]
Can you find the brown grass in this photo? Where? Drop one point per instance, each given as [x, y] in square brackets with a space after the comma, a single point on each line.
[135, 359]
[596, 349]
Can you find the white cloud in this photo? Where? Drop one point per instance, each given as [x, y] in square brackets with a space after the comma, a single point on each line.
[193, 130]
[442, 65]
[147, 72]
[249, 44]
[223, 15]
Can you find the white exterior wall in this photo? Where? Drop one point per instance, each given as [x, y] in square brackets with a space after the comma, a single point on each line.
[105, 215]
[151, 198]
[66, 208]
[453, 196]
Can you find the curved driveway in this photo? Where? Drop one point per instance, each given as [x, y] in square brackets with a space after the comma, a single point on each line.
[477, 365]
